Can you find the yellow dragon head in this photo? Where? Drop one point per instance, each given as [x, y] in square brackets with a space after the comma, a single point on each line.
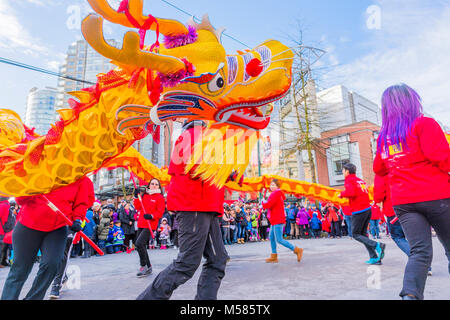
[190, 76]
[195, 77]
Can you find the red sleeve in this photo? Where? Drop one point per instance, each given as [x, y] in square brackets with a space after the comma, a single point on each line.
[160, 208]
[379, 166]
[350, 190]
[137, 204]
[182, 150]
[379, 190]
[434, 144]
[84, 199]
[273, 198]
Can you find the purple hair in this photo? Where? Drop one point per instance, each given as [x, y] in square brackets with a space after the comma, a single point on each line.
[400, 107]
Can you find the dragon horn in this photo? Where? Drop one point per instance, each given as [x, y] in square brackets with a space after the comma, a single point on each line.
[130, 54]
[167, 27]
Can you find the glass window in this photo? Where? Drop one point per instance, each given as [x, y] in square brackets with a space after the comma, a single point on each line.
[340, 153]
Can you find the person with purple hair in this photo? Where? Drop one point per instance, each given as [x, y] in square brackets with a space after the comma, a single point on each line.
[415, 155]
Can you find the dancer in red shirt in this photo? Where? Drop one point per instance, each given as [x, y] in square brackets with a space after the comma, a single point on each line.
[415, 156]
[151, 209]
[357, 193]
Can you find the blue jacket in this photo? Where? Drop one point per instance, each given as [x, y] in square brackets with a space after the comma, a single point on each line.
[315, 222]
[113, 238]
[292, 213]
[89, 227]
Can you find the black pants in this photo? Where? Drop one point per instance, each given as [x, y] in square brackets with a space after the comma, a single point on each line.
[26, 244]
[199, 235]
[416, 220]
[62, 268]
[263, 232]
[4, 253]
[335, 229]
[360, 223]
[128, 238]
[174, 237]
[142, 245]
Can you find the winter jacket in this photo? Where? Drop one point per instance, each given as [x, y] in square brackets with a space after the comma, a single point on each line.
[275, 203]
[118, 235]
[164, 231]
[4, 214]
[357, 193]
[89, 227]
[155, 205]
[7, 222]
[292, 213]
[382, 193]
[326, 226]
[254, 218]
[125, 218]
[226, 219]
[331, 213]
[302, 217]
[186, 193]
[420, 171]
[73, 200]
[315, 222]
[104, 225]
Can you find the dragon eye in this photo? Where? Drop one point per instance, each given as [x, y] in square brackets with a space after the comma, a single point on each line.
[216, 83]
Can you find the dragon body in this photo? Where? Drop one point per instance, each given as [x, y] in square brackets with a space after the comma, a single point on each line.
[189, 76]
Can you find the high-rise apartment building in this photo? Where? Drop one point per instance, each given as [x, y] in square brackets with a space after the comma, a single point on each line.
[40, 109]
[82, 63]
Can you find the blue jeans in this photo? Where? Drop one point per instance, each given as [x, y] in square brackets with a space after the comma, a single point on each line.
[374, 228]
[398, 236]
[102, 245]
[287, 231]
[241, 233]
[348, 222]
[276, 235]
[237, 231]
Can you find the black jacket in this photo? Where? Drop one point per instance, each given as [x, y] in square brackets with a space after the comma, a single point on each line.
[125, 220]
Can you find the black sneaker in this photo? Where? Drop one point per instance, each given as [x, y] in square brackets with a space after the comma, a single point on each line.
[146, 271]
[64, 280]
[54, 293]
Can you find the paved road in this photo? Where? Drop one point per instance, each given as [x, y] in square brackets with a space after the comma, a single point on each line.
[331, 269]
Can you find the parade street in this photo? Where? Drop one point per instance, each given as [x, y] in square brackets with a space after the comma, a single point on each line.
[331, 269]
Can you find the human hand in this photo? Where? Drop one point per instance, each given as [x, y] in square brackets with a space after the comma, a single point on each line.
[76, 226]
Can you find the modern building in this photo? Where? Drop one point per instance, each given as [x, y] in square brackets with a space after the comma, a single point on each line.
[82, 63]
[355, 143]
[340, 107]
[40, 109]
[343, 127]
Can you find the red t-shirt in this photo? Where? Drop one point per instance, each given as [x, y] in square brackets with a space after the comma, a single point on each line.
[420, 172]
[186, 193]
[73, 200]
[275, 203]
[357, 193]
[382, 193]
[155, 205]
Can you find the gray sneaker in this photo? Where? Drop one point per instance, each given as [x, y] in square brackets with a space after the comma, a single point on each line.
[144, 271]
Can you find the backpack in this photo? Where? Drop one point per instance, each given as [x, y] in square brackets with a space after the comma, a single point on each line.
[264, 221]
